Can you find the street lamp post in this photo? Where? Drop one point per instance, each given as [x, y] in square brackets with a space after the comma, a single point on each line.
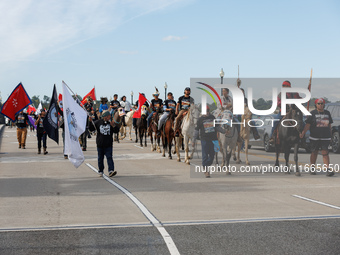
[221, 75]
[131, 97]
[165, 88]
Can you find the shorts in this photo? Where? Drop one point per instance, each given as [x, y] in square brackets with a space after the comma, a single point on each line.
[316, 145]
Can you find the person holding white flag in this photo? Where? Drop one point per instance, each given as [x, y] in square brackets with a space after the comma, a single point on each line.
[75, 124]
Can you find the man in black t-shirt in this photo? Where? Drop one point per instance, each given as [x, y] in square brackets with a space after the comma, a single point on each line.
[41, 133]
[114, 104]
[104, 142]
[208, 133]
[319, 124]
[156, 106]
[169, 105]
[21, 121]
[182, 107]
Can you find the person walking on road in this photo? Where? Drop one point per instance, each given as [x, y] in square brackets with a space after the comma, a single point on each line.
[319, 124]
[209, 143]
[21, 121]
[41, 133]
[104, 142]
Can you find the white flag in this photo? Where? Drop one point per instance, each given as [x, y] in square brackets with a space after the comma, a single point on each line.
[75, 123]
[38, 111]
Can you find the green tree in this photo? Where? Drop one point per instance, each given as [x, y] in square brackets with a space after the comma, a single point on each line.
[35, 101]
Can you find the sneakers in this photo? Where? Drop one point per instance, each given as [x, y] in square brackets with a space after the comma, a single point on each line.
[207, 174]
[84, 149]
[271, 141]
[112, 173]
[19, 146]
[65, 157]
[100, 174]
[329, 173]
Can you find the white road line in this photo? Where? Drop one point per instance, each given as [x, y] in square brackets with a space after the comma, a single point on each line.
[249, 220]
[76, 227]
[318, 202]
[167, 238]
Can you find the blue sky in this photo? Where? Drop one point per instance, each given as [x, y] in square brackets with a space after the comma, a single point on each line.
[119, 46]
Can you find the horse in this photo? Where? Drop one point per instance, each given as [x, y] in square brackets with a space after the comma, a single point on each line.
[168, 134]
[117, 120]
[228, 141]
[153, 129]
[287, 136]
[187, 132]
[141, 126]
[244, 135]
[128, 122]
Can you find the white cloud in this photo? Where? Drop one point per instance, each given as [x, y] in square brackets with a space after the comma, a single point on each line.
[32, 27]
[173, 38]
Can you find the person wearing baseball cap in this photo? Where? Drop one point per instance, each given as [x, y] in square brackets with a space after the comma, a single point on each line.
[182, 107]
[319, 124]
[104, 141]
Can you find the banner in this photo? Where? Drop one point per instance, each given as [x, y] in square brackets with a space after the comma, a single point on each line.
[92, 94]
[75, 123]
[17, 101]
[51, 120]
[141, 101]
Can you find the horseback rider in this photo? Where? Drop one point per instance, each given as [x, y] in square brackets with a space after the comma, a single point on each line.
[103, 106]
[168, 106]
[114, 104]
[182, 107]
[126, 105]
[134, 120]
[285, 84]
[156, 106]
[227, 100]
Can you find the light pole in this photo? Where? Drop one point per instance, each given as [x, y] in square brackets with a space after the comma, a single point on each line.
[0, 98]
[165, 88]
[131, 97]
[221, 75]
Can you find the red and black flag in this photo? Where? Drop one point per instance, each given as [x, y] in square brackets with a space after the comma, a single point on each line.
[17, 101]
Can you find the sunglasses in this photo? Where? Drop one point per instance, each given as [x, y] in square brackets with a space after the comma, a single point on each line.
[320, 103]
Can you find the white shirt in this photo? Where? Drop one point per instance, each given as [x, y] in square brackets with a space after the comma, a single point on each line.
[126, 105]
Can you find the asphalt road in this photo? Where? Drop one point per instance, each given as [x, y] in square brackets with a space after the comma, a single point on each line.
[49, 207]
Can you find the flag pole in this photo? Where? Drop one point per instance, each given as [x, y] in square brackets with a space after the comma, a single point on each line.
[81, 105]
[310, 86]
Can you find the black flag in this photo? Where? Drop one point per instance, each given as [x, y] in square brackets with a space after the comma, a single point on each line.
[51, 120]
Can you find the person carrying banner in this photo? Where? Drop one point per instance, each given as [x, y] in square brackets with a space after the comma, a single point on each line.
[41, 132]
[104, 142]
[21, 121]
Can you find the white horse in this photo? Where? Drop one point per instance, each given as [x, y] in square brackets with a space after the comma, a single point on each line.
[128, 122]
[228, 141]
[187, 133]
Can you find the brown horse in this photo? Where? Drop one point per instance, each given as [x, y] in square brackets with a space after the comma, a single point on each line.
[117, 120]
[168, 134]
[244, 135]
[141, 126]
[153, 128]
